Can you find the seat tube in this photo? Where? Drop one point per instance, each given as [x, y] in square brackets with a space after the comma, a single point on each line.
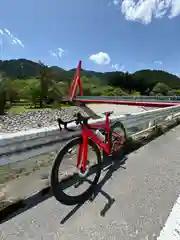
[107, 121]
[85, 152]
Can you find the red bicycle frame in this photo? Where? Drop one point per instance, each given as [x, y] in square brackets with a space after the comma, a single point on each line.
[87, 132]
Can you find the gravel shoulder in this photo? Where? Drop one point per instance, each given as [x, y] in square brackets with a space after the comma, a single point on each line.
[35, 119]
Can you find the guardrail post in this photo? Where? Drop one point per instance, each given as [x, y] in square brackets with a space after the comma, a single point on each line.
[171, 116]
[152, 123]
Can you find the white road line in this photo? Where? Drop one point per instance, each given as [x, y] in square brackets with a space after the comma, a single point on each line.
[171, 230]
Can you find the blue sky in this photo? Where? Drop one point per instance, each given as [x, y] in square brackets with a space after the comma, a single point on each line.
[106, 35]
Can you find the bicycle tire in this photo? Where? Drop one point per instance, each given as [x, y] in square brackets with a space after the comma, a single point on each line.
[123, 132]
[121, 125]
[57, 190]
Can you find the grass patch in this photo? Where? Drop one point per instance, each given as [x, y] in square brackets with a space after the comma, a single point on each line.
[60, 105]
[22, 109]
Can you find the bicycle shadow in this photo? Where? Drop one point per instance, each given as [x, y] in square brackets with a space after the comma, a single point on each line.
[110, 166]
[44, 194]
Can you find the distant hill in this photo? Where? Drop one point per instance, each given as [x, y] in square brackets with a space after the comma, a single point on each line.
[14, 68]
[23, 68]
[27, 68]
[154, 76]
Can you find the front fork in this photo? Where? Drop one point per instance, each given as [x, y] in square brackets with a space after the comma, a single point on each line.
[108, 135]
[83, 152]
[82, 156]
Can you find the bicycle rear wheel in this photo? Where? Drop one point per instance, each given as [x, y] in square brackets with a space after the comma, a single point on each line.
[118, 142]
[61, 187]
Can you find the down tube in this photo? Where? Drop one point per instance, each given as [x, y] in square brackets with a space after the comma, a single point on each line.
[97, 141]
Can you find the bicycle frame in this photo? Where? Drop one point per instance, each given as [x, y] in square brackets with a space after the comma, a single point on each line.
[87, 133]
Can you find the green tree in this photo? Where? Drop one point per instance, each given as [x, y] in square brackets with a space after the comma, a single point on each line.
[3, 93]
[57, 91]
[12, 93]
[160, 88]
[34, 94]
[45, 78]
[171, 92]
[108, 91]
[177, 92]
[87, 86]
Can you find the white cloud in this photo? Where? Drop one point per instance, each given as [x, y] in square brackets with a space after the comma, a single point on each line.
[58, 53]
[158, 62]
[117, 67]
[145, 10]
[18, 41]
[116, 2]
[1, 38]
[10, 37]
[175, 8]
[100, 58]
[1, 32]
[53, 54]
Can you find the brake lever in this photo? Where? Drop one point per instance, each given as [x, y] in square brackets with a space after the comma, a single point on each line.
[61, 122]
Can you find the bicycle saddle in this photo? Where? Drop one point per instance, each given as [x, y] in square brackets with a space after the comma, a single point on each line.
[108, 113]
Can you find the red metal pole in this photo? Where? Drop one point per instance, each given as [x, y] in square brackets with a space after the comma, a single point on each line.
[76, 83]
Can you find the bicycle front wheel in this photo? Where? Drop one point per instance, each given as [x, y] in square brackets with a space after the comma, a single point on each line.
[76, 187]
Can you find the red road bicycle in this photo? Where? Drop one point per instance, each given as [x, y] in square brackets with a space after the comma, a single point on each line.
[100, 137]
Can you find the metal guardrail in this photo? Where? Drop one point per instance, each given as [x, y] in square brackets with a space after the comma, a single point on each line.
[26, 144]
[131, 98]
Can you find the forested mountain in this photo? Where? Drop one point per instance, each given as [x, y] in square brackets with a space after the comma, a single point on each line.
[40, 85]
[155, 76]
[22, 68]
[142, 81]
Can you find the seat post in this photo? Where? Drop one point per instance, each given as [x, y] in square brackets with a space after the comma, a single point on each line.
[107, 120]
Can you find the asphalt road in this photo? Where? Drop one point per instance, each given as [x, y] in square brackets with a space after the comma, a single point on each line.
[144, 191]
